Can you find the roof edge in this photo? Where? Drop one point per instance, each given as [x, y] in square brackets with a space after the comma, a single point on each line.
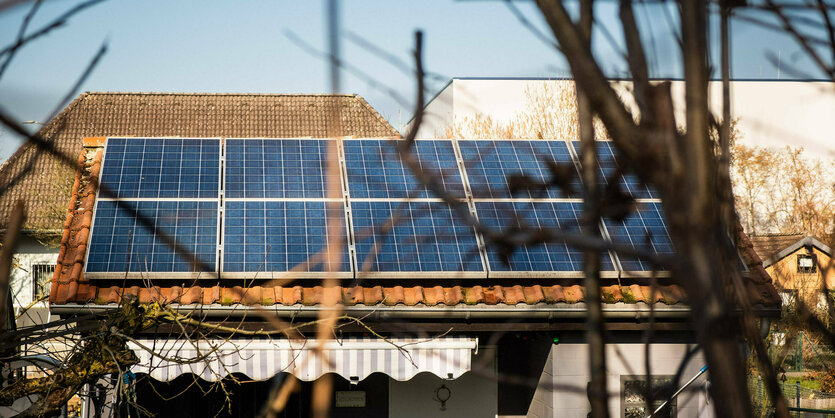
[635, 311]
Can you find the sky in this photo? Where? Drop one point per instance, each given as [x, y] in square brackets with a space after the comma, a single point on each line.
[247, 46]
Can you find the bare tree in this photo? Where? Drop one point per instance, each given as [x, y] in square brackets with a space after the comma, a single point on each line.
[686, 160]
[783, 191]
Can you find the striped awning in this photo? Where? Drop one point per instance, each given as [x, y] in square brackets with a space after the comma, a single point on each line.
[353, 359]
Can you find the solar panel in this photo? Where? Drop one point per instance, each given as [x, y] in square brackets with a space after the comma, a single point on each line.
[375, 170]
[413, 237]
[275, 168]
[607, 163]
[162, 167]
[553, 257]
[274, 211]
[276, 236]
[645, 229]
[489, 163]
[120, 243]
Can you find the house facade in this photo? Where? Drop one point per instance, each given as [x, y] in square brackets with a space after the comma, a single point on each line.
[800, 265]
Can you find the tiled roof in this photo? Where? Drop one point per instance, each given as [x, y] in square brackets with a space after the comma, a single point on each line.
[69, 286]
[43, 182]
[770, 245]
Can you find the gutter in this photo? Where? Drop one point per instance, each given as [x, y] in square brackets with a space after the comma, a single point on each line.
[636, 311]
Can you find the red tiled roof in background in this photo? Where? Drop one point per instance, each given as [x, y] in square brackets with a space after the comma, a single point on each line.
[69, 285]
[43, 183]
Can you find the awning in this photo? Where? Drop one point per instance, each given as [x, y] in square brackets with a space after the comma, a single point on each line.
[353, 359]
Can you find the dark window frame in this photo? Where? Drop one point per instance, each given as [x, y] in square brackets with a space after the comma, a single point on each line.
[804, 269]
[41, 276]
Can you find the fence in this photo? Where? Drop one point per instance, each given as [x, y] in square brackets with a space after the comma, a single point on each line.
[803, 402]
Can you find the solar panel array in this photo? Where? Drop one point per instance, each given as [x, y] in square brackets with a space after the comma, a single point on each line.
[254, 207]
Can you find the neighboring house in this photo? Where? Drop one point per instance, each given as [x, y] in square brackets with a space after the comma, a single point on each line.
[768, 112]
[44, 183]
[800, 265]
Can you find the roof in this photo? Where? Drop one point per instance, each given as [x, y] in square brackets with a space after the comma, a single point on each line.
[70, 287]
[774, 247]
[44, 183]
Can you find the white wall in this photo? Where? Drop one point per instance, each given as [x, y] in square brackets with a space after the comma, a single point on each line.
[770, 113]
[471, 395]
[542, 404]
[568, 364]
[29, 252]
[437, 115]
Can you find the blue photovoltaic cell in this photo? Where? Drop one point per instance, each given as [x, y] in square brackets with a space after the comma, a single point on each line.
[275, 168]
[489, 163]
[376, 171]
[120, 243]
[275, 236]
[607, 162]
[161, 168]
[413, 237]
[556, 256]
[645, 229]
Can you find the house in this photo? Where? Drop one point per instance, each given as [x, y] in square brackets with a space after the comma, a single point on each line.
[800, 265]
[770, 113]
[44, 184]
[483, 337]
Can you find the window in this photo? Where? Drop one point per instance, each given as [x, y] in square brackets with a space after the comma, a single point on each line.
[634, 390]
[806, 263]
[41, 280]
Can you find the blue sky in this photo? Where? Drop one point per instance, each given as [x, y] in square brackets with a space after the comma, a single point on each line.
[242, 46]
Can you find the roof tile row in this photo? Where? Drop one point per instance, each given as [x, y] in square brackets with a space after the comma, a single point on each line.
[377, 295]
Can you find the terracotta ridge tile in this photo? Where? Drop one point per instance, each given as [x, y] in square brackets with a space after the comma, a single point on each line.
[332, 294]
[374, 295]
[611, 294]
[389, 298]
[308, 298]
[473, 295]
[266, 295]
[419, 295]
[252, 295]
[518, 294]
[431, 297]
[573, 294]
[399, 295]
[490, 297]
[72, 291]
[409, 296]
[191, 295]
[453, 295]
[533, 294]
[354, 295]
[498, 291]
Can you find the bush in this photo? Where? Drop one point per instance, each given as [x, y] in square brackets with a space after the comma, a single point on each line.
[827, 381]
